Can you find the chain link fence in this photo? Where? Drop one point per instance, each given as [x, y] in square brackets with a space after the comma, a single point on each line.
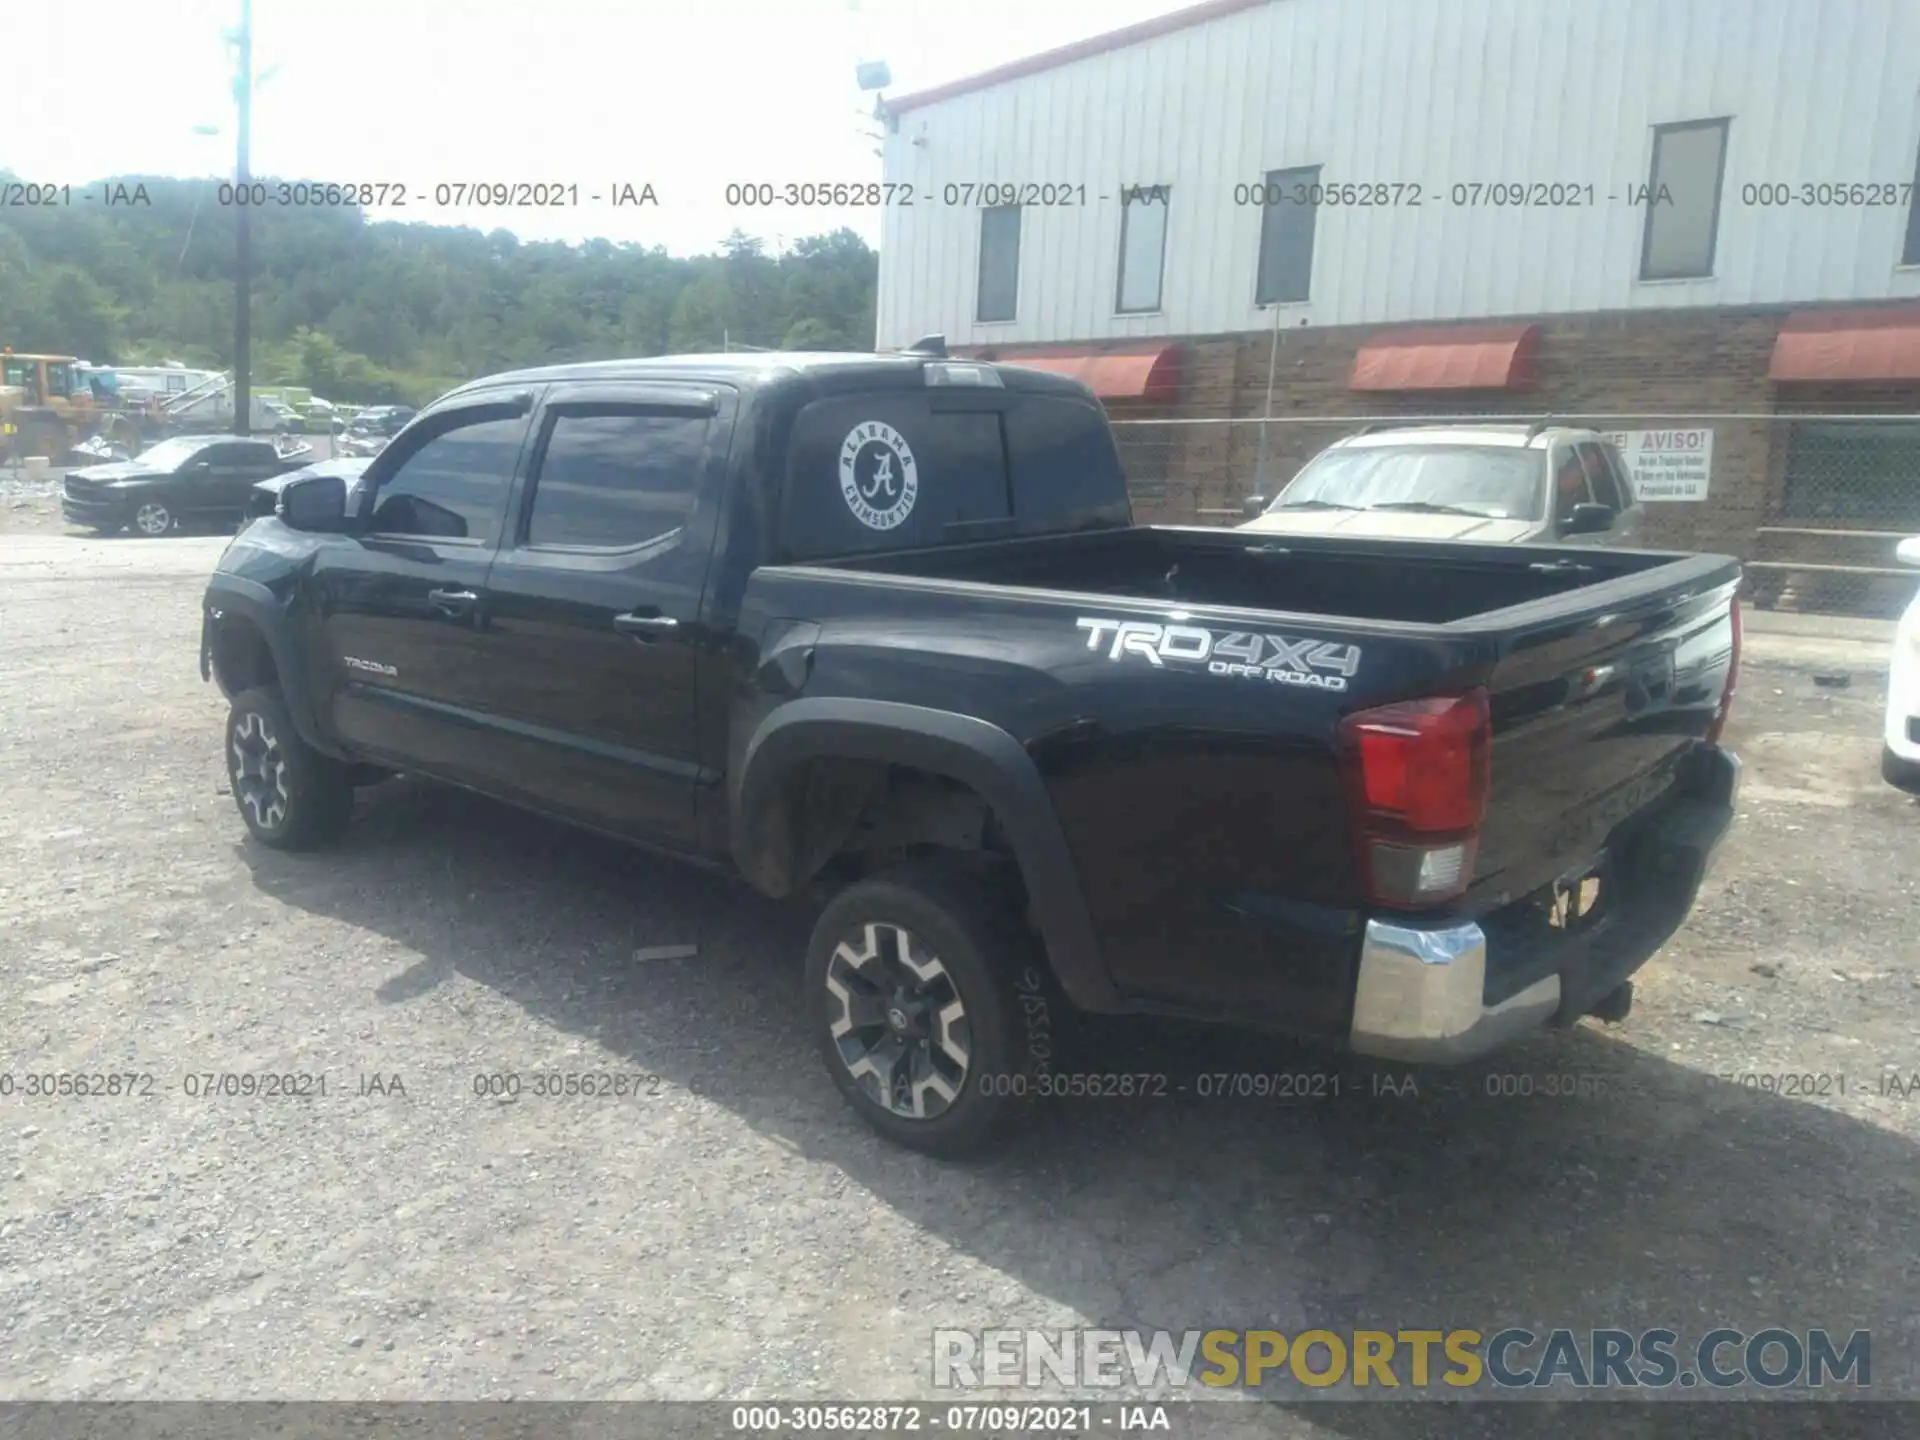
[1812, 503]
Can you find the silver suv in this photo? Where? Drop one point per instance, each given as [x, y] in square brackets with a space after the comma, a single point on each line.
[1498, 484]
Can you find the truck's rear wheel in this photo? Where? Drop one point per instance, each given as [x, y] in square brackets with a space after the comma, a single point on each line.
[290, 795]
[914, 985]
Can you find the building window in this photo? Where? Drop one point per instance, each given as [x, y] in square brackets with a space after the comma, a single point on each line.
[1910, 254]
[1143, 248]
[1286, 235]
[1683, 200]
[999, 263]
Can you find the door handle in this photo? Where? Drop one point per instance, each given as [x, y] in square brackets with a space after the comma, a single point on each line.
[452, 602]
[647, 628]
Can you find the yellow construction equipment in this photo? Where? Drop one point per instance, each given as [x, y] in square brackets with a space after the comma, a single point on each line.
[45, 407]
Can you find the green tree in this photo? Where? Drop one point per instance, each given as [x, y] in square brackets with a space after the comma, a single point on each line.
[360, 312]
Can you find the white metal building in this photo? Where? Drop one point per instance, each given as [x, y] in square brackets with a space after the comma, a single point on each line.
[1419, 160]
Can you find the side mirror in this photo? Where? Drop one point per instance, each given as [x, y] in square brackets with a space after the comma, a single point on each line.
[1254, 505]
[1589, 520]
[1907, 552]
[317, 503]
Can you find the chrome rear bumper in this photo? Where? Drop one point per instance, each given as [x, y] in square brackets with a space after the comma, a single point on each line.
[1419, 996]
[1421, 993]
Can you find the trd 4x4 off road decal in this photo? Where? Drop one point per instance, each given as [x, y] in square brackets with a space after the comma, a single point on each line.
[1320, 664]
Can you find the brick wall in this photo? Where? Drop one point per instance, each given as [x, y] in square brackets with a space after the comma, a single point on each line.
[1659, 363]
[1680, 363]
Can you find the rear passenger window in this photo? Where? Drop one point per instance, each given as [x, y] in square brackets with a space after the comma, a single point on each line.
[614, 479]
[887, 471]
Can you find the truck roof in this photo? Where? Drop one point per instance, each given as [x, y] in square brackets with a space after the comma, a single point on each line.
[763, 368]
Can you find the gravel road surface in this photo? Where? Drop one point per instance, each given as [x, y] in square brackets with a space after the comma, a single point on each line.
[729, 1229]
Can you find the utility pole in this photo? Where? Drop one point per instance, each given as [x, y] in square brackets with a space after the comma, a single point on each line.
[1266, 415]
[243, 235]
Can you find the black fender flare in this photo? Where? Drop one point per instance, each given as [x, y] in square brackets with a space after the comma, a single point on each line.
[235, 597]
[972, 751]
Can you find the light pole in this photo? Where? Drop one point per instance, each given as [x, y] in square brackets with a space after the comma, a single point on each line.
[1266, 414]
[243, 234]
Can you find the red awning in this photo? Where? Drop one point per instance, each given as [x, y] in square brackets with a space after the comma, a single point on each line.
[1848, 345]
[1152, 374]
[1451, 357]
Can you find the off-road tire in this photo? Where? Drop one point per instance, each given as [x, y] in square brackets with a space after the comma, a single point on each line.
[290, 796]
[966, 932]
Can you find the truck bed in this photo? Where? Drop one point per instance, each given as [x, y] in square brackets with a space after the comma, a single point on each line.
[1413, 582]
[1604, 669]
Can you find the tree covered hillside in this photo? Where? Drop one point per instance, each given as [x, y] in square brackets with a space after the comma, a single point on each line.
[401, 312]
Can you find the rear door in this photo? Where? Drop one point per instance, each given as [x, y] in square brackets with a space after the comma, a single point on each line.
[592, 630]
[398, 606]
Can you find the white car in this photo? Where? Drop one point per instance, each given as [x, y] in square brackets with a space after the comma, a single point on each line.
[1497, 484]
[1900, 754]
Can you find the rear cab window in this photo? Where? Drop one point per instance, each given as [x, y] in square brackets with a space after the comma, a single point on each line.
[907, 469]
[884, 471]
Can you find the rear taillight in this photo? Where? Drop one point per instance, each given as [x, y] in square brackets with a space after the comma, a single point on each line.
[1733, 680]
[1417, 776]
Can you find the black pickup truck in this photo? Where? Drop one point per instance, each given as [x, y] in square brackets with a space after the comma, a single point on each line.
[878, 631]
[181, 482]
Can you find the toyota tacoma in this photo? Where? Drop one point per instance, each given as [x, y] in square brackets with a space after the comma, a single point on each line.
[878, 632]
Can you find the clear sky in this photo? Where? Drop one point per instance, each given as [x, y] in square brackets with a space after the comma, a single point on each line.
[685, 94]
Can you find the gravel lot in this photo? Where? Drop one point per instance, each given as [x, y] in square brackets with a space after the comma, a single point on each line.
[738, 1233]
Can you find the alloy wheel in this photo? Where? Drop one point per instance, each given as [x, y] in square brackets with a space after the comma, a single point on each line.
[259, 770]
[899, 1024]
[153, 519]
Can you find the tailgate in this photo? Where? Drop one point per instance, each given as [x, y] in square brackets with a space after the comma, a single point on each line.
[1593, 707]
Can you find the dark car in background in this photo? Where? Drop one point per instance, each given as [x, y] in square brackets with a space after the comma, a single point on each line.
[183, 481]
[368, 432]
